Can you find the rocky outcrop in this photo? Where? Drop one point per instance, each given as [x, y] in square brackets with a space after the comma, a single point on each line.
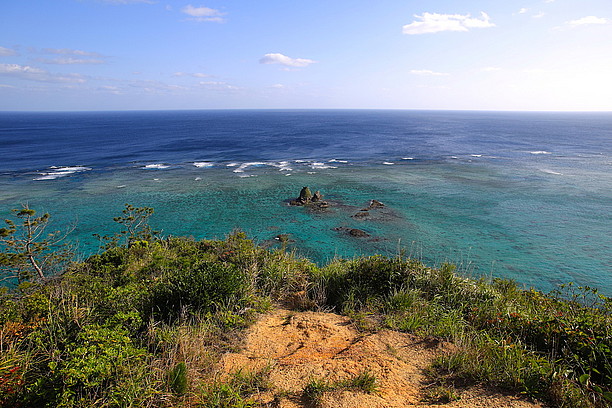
[353, 232]
[306, 198]
[364, 213]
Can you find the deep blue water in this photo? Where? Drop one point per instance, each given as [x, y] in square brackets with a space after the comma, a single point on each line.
[519, 195]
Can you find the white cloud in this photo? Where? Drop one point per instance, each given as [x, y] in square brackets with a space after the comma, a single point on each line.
[539, 15]
[7, 52]
[67, 51]
[36, 74]
[427, 72]
[70, 61]
[590, 20]
[219, 86]
[276, 58]
[129, 1]
[202, 14]
[434, 23]
[523, 10]
[490, 69]
[193, 74]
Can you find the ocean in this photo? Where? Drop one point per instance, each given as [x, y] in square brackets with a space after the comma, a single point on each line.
[525, 196]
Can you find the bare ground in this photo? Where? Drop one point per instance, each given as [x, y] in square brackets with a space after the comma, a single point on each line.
[298, 347]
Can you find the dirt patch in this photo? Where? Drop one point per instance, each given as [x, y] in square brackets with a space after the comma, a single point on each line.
[298, 347]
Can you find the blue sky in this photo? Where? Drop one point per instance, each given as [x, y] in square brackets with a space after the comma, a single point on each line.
[389, 54]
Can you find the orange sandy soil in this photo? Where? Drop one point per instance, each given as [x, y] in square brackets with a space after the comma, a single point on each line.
[297, 347]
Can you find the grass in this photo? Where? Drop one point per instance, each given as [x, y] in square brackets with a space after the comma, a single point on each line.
[364, 382]
[143, 324]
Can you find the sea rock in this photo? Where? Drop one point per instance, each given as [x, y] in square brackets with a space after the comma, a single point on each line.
[305, 194]
[307, 198]
[365, 212]
[354, 232]
[375, 204]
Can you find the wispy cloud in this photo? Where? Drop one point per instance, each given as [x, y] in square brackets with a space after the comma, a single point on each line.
[582, 22]
[219, 86]
[276, 58]
[29, 73]
[203, 14]
[590, 20]
[7, 52]
[427, 72]
[523, 10]
[434, 23]
[71, 57]
[490, 69]
[70, 61]
[129, 1]
[191, 74]
[68, 51]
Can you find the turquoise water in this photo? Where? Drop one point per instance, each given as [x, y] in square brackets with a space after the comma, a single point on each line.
[535, 211]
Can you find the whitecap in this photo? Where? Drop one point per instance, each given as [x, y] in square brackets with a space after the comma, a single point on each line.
[198, 178]
[156, 166]
[61, 171]
[122, 186]
[321, 166]
[281, 166]
[203, 164]
[547, 171]
[388, 163]
[337, 161]
[407, 158]
[234, 164]
[540, 152]
[476, 155]
[244, 166]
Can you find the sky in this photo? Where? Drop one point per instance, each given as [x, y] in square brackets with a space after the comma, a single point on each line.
[542, 55]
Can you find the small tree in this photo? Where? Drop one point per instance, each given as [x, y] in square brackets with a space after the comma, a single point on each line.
[27, 251]
[135, 227]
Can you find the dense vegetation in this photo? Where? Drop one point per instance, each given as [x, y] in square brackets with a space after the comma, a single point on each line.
[143, 322]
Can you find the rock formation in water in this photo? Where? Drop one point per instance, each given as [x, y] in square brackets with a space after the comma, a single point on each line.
[306, 198]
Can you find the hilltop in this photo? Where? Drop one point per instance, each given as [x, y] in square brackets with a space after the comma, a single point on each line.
[175, 322]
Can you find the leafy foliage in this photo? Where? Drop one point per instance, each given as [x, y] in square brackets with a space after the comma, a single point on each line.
[127, 327]
[27, 250]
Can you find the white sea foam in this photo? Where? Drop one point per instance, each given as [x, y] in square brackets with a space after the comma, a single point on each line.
[156, 166]
[337, 161]
[198, 178]
[203, 164]
[476, 155]
[407, 158]
[321, 166]
[547, 171]
[234, 164]
[540, 152]
[245, 166]
[122, 186]
[388, 163]
[61, 171]
[281, 166]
